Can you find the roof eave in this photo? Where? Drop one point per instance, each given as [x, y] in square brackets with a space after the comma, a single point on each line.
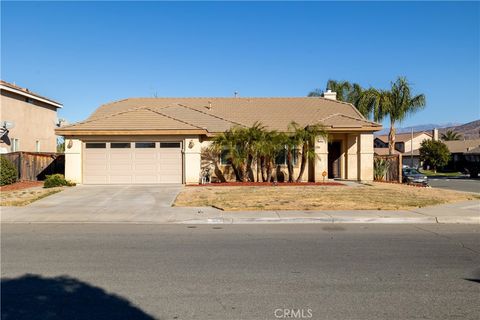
[84, 132]
[31, 95]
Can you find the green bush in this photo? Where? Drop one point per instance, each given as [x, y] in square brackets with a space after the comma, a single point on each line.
[57, 180]
[8, 172]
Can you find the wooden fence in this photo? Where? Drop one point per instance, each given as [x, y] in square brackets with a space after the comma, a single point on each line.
[394, 169]
[36, 165]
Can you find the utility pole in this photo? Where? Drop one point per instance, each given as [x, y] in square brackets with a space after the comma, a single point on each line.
[411, 148]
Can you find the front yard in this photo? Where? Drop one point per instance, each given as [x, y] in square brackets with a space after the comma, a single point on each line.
[24, 196]
[375, 196]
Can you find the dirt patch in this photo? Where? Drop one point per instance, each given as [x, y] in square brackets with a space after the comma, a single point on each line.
[376, 196]
[21, 185]
[22, 197]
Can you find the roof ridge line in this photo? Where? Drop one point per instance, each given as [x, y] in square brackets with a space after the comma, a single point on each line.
[178, 120]
[211, 115]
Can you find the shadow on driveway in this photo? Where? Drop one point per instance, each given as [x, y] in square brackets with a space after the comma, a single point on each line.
[35, 297]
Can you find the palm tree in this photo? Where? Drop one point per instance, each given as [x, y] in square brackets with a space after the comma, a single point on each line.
[306, 137]
[232, 142]
[451, 135]
[271, 144]
[396, 103]
[346, 92]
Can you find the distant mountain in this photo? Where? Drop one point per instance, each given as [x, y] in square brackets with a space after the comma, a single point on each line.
[470, 130]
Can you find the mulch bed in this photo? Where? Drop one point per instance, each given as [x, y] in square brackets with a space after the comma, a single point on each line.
[21, 185]
[266, 184]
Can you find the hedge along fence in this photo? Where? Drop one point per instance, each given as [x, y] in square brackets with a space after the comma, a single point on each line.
[391, 165]
[36, 165]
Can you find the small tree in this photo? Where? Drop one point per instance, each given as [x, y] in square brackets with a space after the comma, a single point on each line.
[434, 153]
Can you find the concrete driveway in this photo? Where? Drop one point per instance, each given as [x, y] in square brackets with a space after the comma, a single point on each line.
[106, 203]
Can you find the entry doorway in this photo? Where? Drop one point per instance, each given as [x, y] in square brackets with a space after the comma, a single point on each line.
[334, 154]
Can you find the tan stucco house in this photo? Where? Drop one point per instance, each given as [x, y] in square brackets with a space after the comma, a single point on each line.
[162, 140]
[34, 119]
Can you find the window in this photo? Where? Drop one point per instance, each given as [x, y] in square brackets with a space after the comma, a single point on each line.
[37, 146]
[95, 145]
[281, 158]
[120, 145]
[15, 146]
[144, 145]
[224, 158]
[169, 144]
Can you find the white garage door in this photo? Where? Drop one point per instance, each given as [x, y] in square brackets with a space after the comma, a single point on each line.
[132, 162]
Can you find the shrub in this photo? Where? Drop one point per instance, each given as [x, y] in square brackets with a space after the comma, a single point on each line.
[57, 180]
[8, 172]
[434, 153]
[380, 168]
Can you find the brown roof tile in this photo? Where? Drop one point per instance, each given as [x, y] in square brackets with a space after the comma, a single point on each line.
[220, 114]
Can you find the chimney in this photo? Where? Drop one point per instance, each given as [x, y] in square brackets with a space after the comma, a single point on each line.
[435, 134]
[235, 94]
[329, 94]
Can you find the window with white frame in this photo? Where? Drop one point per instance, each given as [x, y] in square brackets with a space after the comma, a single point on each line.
[15, 146]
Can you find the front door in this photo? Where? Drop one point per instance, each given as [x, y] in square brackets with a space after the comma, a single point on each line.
[334, 154]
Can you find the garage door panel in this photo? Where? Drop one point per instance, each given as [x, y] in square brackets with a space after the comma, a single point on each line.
[133, 165]
[139, 179]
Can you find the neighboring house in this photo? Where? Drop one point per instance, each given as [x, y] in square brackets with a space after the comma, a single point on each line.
[459, 149]
[34, 118]
[163, 140]
[404, 144]
[472, 161]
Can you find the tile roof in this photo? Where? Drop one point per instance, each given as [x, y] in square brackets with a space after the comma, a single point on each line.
[461, 146]
[219, 114]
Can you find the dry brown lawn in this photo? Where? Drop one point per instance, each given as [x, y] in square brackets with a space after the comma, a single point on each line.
[375, 196]
[23, 197]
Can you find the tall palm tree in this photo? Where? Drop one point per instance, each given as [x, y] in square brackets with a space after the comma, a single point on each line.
[396, 103]
[451, 135]
[346, 92]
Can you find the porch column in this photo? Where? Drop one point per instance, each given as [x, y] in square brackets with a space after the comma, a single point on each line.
[366, 157]
[352, 157]
[192, 160]
[73, 160]
[321, 160]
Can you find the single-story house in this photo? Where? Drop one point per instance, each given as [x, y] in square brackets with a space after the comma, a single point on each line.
[28, 120]
[459, 149]
[163, 140]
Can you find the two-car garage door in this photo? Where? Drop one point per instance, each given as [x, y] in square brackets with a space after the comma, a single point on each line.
[132, 162]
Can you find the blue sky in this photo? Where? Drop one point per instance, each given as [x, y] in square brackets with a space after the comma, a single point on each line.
[84, 54]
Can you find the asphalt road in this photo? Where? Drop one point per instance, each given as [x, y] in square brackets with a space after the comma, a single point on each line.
[92, 271]
[458, 184]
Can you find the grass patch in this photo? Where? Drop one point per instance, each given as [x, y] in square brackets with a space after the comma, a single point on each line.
[22, 198]
[376, 196]
[430, 173]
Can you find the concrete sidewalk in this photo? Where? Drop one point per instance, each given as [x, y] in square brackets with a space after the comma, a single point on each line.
[464, 212]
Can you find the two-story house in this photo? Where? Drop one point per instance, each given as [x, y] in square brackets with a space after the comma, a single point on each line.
[407, 144]
[28, 120]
